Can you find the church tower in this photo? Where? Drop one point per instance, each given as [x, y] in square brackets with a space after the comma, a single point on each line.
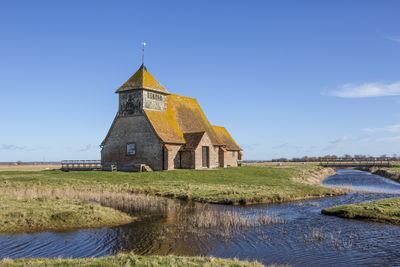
[141, 91]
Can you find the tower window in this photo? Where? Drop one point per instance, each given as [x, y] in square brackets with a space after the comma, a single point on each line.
[131, 149]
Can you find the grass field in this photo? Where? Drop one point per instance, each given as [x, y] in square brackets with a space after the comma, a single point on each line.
[243, 185]
[25, 215]
[385, 211]
[133, 260]
[29, 167]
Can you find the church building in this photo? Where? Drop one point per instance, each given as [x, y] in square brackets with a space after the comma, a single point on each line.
[157, 130]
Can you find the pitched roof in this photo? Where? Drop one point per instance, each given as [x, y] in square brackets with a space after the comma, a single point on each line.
[142, 79]
[165, 126]
[226, 138]
[183, 115]
[192, 140]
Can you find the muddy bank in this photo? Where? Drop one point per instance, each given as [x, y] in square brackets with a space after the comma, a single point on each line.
[315, 175]
[384, 172]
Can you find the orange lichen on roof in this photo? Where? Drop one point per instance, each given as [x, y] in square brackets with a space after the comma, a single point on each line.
[224, 135]
[165, 128]
[183, 115]
[142, 79]
[189, 116]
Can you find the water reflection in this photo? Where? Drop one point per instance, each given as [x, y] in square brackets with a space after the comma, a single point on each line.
[303, 237]
[364, 181]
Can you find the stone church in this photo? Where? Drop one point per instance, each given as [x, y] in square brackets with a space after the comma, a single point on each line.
[162, 131]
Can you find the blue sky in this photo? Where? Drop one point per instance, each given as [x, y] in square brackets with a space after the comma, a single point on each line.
[286, 78]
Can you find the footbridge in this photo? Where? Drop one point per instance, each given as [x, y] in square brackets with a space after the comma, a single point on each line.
[355, 162]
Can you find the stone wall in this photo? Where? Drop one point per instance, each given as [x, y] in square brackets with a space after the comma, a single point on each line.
[132, 129]
[130, 103]
[133, 102]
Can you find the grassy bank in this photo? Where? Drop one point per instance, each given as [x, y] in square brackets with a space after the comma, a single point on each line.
[386, 211]
[243, 185]
[132, 260]
[24, 215]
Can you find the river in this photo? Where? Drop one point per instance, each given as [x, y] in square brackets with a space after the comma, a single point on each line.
[301, 237]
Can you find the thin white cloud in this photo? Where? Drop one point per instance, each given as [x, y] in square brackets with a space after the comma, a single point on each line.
[363, 138]
[394, 39]
[86, 148]
[352, 90]
[390, 128]
[11, 147]
[389, 139]
[339, 140]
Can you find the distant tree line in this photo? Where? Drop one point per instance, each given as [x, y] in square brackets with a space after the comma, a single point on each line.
[394, 157]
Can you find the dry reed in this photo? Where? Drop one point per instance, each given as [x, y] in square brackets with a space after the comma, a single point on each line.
[190, 217]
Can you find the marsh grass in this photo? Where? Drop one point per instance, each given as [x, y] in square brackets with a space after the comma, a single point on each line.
[132, 260]
[318, 234]
[134, 203]
[190, 217]
[245, 185]
[20, 214]
[385, 211]
[227, 221]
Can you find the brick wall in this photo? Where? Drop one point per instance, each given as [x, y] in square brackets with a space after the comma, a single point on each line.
[172, 157]
[230, 158]
[187, 159]
[213, 158]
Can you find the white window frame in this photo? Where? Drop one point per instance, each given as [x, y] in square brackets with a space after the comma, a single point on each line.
[131, 149]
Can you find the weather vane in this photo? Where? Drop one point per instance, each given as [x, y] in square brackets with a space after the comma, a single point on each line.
[143, 45]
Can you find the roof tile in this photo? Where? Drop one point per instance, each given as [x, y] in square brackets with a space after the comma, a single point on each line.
[224, 135]
[183, 115]
[142, 79]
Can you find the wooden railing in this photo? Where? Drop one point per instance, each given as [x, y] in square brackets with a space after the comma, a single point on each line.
[81, 165]
[356, 162]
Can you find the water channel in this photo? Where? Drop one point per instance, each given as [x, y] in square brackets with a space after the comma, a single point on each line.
[301, 237]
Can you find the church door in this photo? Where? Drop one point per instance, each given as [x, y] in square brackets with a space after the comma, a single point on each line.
[221, 157]
[205, 157]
